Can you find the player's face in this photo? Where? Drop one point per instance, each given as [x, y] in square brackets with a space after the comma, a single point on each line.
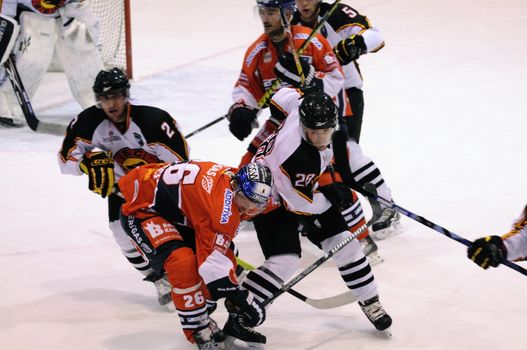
[308, 10]
[271, 21]
[246, 206]
[320, 138]
[114, 106]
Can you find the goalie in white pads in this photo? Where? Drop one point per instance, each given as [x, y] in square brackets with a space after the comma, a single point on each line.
[296, 155]
[108, 140]
[46, 26]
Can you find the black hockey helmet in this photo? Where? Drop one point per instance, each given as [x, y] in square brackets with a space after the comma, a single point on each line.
[111, 81]
[283, 4]
[318, 111]
[255, 181]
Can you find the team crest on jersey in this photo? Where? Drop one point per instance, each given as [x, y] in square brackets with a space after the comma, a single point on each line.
[111, 138]
[47, 7]
[129, 158]
[206, 183]
[226, 212]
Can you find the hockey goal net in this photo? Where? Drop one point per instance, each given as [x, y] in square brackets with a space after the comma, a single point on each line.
[115, 34]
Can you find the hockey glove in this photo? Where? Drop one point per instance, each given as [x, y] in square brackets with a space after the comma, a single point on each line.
[287, 71]
[349, 49]
[241, 120]
[338, 194]
[487, 251]
[99, 168]
[242, 303]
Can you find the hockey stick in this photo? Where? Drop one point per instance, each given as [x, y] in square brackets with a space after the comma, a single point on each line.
[296, 58]
[276, 84]
[314, 265]
[215, 121]
[435, 227]
[267, 95]
[21, 94]
[24, 102]
[324, 303]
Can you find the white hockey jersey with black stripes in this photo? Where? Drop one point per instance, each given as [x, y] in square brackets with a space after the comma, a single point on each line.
[151, 136]
[295, 164]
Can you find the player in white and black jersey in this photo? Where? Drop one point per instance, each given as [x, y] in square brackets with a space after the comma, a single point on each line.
[488, 251]
[352, 35]
[297, 155]
[108, 140]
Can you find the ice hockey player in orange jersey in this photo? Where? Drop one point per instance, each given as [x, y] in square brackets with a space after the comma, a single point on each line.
[182, 217]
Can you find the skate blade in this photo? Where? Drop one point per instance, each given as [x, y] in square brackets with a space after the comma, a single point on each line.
[387, 332]
[374, 259]
[393, 230]
[232, 343]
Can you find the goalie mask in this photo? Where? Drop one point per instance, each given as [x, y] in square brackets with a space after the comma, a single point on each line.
[111, 82]
[255, 182]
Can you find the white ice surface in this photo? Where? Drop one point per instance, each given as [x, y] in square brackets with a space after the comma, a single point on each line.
[445, 120]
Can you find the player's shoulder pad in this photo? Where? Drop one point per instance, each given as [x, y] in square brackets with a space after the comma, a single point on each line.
[150, 121]
[86, 122]
[255, 48]
[344, 16]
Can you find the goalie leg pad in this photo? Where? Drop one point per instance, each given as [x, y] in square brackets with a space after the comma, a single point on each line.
[33, 53]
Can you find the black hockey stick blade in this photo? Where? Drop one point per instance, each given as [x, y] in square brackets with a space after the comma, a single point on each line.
[21, 94]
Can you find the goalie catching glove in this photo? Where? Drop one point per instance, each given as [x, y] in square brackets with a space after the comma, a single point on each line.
[487, 251]
[287, 71]
[349, 49]
[99, 168]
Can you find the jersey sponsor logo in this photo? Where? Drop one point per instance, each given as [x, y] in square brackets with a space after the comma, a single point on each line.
[129, 158]
[46, 7]
[222, 243]
[206, 183]
[159, 231]
[317, 43]
[301, 36]
[268, 57]
[227, 204]
[111, 138]
[262, 45]
[330, 60]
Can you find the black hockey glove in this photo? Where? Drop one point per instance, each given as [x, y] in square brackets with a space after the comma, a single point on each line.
[487, 251]
[241, 120]
[287, 71]
[242, 302]
[338, 194]
[99, 168]
[349, 49]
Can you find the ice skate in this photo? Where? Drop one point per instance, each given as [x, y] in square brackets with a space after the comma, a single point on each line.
[373, 309]
[210, 338]
[163, 287]
[240, 337]
[370, 250]
[386, 225]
